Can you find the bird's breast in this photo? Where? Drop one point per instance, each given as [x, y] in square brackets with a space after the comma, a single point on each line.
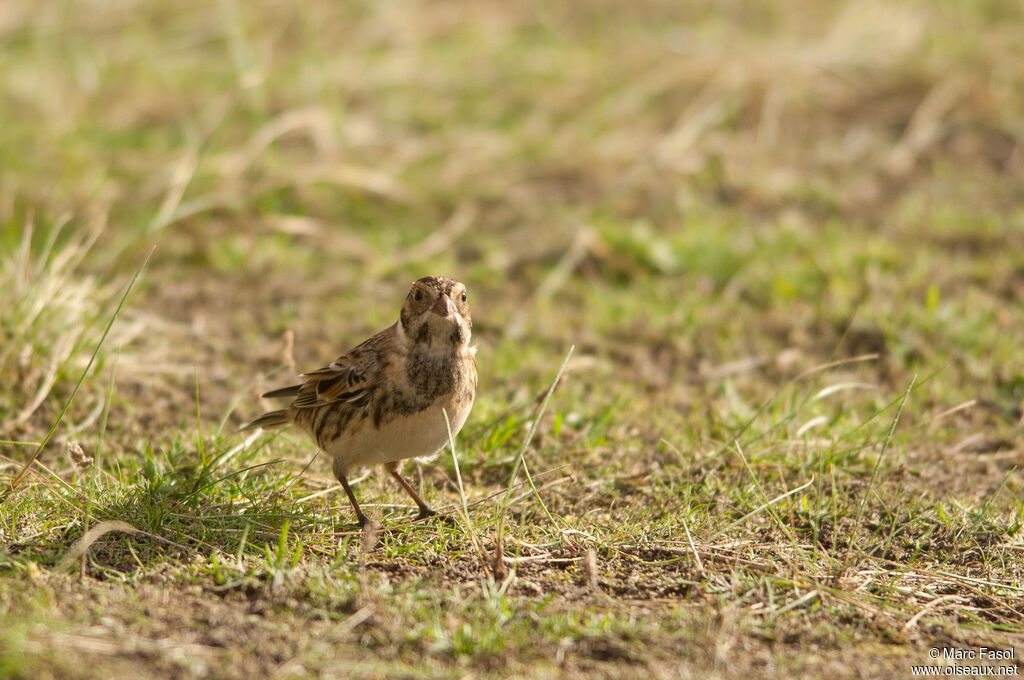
[412, 435]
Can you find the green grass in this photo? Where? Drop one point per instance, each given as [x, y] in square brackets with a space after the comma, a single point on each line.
[785, 239]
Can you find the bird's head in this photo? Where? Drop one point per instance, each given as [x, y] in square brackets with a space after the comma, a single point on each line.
[436, 311]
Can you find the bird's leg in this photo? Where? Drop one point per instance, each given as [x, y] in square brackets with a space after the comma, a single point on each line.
[339, 472]
[425, 510]
[360, 517]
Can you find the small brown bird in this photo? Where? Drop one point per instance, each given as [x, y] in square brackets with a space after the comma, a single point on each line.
[383, 401]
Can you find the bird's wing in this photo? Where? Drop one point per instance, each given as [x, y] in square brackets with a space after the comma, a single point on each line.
[290, 391]
[348, 378]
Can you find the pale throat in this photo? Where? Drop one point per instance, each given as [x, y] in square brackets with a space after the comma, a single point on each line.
[444, 335]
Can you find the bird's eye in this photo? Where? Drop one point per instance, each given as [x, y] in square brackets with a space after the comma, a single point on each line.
[418, 294]
[463, 296]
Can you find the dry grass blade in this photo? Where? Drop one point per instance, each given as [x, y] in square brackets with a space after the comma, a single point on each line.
[184, 171]
[833, 364]
[82, 545]
[117, 312]
[934, 604]
[762, 507]
[590, 568]
[45, 318]
[693, 548]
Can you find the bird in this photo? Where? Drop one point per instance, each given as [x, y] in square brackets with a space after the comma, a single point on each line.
[385, 400]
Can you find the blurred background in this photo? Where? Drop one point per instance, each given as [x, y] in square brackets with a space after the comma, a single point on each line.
[786, 238]
[686, 191]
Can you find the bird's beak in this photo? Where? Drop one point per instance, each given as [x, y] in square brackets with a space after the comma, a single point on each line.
[443, 306]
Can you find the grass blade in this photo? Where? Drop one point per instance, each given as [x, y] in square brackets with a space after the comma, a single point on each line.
[885, 447]
[503, 508]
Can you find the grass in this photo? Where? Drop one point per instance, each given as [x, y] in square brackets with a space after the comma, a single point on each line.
[785, 240]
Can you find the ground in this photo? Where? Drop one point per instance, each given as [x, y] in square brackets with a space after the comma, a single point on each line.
[777, 247]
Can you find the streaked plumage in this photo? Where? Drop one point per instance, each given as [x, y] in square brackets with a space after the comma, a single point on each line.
[383, 401]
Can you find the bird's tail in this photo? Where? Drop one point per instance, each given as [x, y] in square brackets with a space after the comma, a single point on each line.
[270, 420]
